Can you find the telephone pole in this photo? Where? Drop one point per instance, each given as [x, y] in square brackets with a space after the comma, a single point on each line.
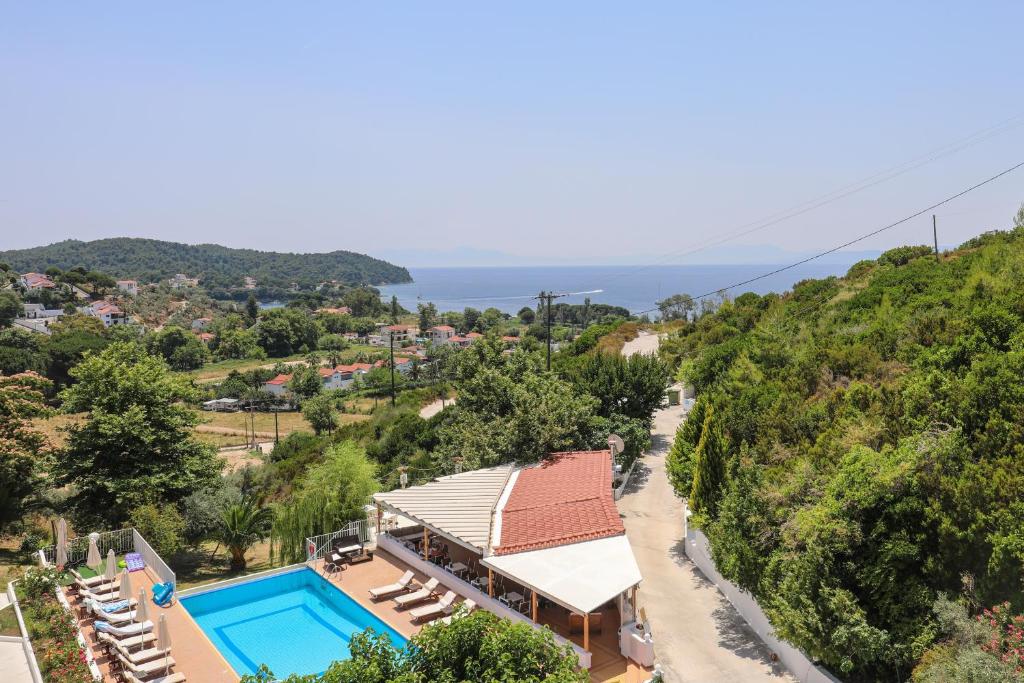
[391, 338]
[548, 296]
[935, 235]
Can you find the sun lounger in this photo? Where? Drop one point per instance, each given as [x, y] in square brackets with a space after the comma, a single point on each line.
[127, 641]
[136, 657]
[106, 596]
[115, 606]
[90, 583]
[459, 611]
[403, 584]
[434, 610]
[173, 678]
[112, 642]
[115, 618]
[147, 669]
[124, 631]
[422, 594]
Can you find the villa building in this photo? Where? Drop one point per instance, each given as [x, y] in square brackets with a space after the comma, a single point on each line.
[440, 334]
[36, 281]
[129, 287]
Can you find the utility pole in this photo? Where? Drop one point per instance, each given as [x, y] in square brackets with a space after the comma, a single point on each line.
[549, 296]
[935, 235]
[391, 338]
[277, 437]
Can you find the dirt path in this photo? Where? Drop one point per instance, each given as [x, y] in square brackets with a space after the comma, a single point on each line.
[646, 343]
[698, 636]
[431, 409]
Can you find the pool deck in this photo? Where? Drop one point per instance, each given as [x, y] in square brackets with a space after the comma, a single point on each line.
[194, 654]
[200, 662]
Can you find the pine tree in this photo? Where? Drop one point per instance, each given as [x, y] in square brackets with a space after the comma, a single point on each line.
[709, 469]
[252, 309]
[680, 461]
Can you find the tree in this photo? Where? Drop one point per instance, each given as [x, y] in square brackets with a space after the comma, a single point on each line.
[284, 331]
[20, 351]
[179, 347]
[428, 315]
[396, 310]
[526, 315]
[709, 469]
[235, 343]
[677, 307]
[680, 459]
[633, 386]
[162, 526]
[331, 494]
[243, 525]
[305, 382]
[10, 308]
[24, 450]
[470, 316]
[966, 652]
[252, 309]
[136, 445]
[320, 413]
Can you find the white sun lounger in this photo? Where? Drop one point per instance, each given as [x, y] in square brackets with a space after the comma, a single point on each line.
[124, 631]
[125, 644]
[93, 581]
[146, 669]
[422, 594]
[173, 678]
[435, 609]
[403, 584]
[459, 611]
[136, 657]
[116, 618]
[108, 596]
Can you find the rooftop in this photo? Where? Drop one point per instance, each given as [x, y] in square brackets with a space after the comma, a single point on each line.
[565, 499]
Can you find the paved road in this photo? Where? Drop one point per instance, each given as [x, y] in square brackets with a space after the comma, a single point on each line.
[699, 637]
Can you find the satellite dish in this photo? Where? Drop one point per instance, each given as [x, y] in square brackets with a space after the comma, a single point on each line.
[616, 442]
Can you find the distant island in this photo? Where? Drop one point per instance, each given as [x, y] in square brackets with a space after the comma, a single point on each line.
[217, 268]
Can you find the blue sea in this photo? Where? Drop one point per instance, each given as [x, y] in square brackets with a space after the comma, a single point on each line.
[634, 287]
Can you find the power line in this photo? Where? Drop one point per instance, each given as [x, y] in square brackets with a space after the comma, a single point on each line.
[840, 193]
[855, 240]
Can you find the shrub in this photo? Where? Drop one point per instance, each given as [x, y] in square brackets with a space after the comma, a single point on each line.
[161, 526]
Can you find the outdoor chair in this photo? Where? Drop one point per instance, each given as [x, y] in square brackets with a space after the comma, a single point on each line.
[403, 584]
[433, 610]
[145, 669]
[172, 678]
[110, 645]
[415, 597]
[459, 611]
[576, 622]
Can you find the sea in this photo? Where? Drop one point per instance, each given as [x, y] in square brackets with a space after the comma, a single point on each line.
[636, 288]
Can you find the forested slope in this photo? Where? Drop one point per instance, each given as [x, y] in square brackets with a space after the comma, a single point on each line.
[216, 266]
[858, 449]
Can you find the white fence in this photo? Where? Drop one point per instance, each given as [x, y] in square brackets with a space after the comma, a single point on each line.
[317, 546]
[699, 550]
[26, 642]
[120, 541]
[152, 560]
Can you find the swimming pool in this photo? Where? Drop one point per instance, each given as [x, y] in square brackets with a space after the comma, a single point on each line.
[295, 622]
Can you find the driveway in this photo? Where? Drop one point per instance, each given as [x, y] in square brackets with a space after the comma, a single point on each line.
[698, 636]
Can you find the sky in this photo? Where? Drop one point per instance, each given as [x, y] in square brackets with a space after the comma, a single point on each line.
[534, 132]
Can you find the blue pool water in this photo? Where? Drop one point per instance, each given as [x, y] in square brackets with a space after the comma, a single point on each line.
[294, 623]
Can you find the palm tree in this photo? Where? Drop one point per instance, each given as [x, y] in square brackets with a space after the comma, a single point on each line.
[243, 525]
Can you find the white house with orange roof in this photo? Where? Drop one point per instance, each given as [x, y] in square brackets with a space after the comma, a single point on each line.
[542, 543]
[440, 334]
[34, 281]
[129, 287]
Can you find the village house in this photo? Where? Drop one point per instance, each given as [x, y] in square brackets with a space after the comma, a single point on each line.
[107, 312]
[439, 335]
[181, 281]
[200, 324]
[206, 337]
[129, 287]
[278, 385]
[250, 282]
[36, 281]
[397, 334]
[38, 311]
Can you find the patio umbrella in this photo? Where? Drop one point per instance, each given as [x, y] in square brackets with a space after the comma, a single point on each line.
[61, 554]
[110, 573]
[93, 559]
[125, 593]
[142, 611]
[163, 639]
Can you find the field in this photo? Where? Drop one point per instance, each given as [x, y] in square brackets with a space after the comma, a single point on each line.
[212, 372]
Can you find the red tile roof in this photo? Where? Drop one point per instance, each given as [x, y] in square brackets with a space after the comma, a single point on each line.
[280, 379]
[566, 499]
[398, 328]
[473, 335]
[325, 372]
[443, 328]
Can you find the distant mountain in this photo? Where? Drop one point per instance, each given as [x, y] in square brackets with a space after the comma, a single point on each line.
[150, 260]
[731, 255]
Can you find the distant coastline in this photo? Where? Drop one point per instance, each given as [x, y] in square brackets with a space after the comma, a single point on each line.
[637, 288]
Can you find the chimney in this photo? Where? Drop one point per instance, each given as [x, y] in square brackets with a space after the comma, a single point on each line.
[403, 477]
[613, 449]
[458, 464]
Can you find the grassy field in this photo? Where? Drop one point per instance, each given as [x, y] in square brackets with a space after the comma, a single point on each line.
[212, 372]
[209, 563]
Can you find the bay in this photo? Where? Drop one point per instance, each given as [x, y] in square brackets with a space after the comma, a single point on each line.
[637, 288]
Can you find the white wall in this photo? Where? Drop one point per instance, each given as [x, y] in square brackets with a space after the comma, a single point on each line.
[699, 550]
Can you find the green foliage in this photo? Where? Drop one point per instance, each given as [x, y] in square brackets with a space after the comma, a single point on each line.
[161, 525]
[180, 348]
[10, 308]
[708, 469]
[966, 651]
[24, 451]
[286, 331]
[475, 647]
[151, 260]
[202, 510]
[305, 382]
[633, 386]
[20, 351]
[136, 445]
[321, 413]
[331, 494]
[236, 343]
[872, 449]
[680, 459]
[243, 525]
[52, 628]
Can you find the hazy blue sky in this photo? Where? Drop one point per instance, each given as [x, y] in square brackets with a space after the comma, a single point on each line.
[597, 131]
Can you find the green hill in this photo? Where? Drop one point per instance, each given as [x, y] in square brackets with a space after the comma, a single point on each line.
[865, 452]
[217, 267]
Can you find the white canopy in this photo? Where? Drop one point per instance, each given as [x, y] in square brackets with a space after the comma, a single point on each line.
[580, 576]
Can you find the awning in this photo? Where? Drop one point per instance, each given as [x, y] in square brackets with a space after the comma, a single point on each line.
[580, 576]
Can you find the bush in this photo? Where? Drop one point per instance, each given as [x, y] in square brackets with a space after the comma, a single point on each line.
[162, 526]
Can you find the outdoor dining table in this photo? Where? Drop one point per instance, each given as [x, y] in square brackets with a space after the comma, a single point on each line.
[458, 568]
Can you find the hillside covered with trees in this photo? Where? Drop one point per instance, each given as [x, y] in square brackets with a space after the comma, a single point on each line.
[856, 458]
[216, 267]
